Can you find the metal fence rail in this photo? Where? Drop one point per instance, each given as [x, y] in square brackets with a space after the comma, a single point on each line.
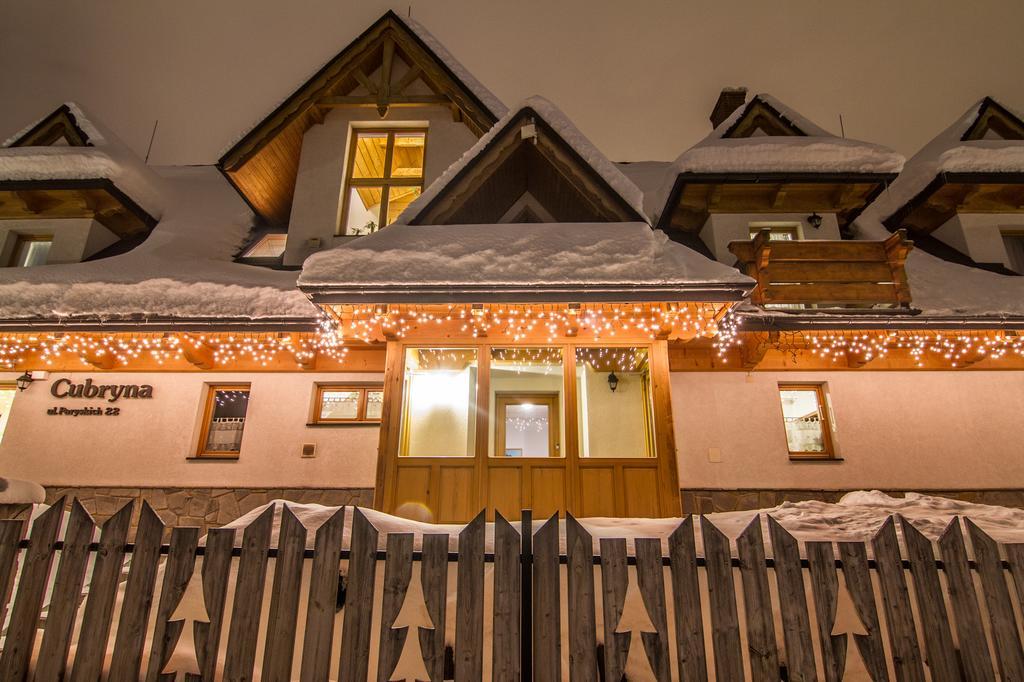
[508, 605]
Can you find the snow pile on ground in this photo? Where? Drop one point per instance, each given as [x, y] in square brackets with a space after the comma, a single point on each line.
[561, 124]
[523, 255]
[108, 158]
[184, 269]
[788, 155]
[856, 517]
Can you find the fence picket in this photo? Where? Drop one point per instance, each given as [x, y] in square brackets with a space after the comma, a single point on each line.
[66, 595]
[970, 631]
[579, 546]
[1015, 557]
[858, 581]
[938, 639]
[796, 624]
[397, 573]
[243, 632]
[507, 602]
[138, 598]
[614, 583]
[821, 564]
[181, 561]
[216, 572]
[547, 634]
[323, 599]
[355, 633]
[28, 602]
[282, 618]
[11, 533]
[99, 605]
[725, 626]
[997, 598]
[651, 581]
[898, 615]
[434, 577]
[690, 654]
[762, 645]
[469, 603]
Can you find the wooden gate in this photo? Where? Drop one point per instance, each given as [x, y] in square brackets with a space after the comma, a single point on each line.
[489, 603]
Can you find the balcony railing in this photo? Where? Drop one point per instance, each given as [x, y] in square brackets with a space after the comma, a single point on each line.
[827, 274]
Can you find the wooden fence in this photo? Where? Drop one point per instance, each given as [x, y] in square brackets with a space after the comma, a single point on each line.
[523, 608]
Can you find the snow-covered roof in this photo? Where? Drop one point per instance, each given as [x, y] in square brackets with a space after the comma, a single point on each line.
[565, 129]
[949, 153]
[183, 270]
[83, 122]
[461, 73]
[507, 260]
[107, 158]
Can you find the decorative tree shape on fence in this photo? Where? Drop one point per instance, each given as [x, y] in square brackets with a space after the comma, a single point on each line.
[184, 659]
[415, 620]
[634, 623]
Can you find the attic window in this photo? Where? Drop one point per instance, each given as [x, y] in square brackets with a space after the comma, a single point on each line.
[385, 173]
[31, 250]
[269, 246]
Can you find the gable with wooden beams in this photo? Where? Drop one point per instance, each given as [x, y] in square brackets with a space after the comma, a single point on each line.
[952, 193]
[526, 173]
[98, 199]
[59, 128]
[386, 67]
[759, 117]
[695, 196]
[994, 122]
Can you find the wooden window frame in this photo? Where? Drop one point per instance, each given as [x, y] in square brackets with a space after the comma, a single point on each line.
[386, 182]
[829, 453]
[21, 241]
[204, 433]
[363, 389]
[505, 398]
[792, 228]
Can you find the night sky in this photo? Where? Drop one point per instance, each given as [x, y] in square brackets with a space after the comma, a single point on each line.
[639, 78]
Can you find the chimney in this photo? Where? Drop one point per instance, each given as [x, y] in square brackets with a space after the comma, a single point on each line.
[729, 100]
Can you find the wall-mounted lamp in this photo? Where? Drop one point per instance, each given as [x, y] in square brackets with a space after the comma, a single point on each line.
[613, 381]
[24, 381]
[814, 220]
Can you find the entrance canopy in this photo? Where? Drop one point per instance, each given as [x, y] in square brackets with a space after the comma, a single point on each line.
[518, 263]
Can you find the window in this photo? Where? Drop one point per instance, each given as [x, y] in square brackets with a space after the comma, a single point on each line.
[7, 393]
[439, 402]
[270, 246]
[613, 389]
[805, 415]
[526, 401]
[1013, 241]
[786, 232]
[224, 420]
[31, 250]
[385, 173]
[348, 404]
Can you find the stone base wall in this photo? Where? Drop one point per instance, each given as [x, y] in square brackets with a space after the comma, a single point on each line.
[203, 507]
[743, 499]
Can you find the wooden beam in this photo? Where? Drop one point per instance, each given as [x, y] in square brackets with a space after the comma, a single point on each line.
[364, 80]
[201, 356]
[779, 197]
[100, 359]
[371, 101]
[384, 90]
[410, 76]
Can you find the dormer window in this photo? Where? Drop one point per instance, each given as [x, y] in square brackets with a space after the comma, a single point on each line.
[385, 173]
[31, 250]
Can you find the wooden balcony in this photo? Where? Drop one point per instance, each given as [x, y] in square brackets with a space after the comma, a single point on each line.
[827, 274]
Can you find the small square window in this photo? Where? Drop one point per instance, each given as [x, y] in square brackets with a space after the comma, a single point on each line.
[806, 419]
[224, 420]
[786, 232]
[348, 404]
[31, 250]
[269, 246]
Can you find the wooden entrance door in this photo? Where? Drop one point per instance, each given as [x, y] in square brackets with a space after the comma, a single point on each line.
[548, 472]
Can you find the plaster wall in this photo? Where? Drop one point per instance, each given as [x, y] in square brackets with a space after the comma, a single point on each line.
[979, 235]
[721, 228]
[150, 442]
[74, 239]
[894, 430]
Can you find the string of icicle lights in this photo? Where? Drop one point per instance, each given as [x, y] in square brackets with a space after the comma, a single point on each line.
[97, 349]
[534, 322]
[955, 348]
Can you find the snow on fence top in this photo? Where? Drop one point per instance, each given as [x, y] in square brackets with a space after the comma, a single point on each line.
[517, 255]
[561, 124]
